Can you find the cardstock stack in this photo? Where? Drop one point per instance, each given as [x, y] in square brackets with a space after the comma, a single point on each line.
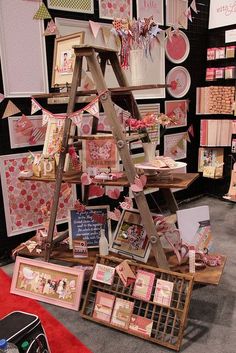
[215, 132]
[215, 100]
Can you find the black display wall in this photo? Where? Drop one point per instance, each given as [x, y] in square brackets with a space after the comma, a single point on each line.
[195, 63]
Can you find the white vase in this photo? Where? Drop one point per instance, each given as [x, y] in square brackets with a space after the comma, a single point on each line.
[149, 151]
[137, 67]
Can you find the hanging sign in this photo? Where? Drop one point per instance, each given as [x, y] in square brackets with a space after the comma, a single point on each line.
[222, 13]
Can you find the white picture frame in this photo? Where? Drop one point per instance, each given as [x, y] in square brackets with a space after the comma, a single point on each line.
[72, 6]
[155, 69]
[18, 140]
[149, 8]
[22, 49]
[221, 13]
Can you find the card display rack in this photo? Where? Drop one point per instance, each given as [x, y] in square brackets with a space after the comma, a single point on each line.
[169, 322]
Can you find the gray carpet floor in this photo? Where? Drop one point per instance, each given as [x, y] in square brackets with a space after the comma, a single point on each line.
[211, 324]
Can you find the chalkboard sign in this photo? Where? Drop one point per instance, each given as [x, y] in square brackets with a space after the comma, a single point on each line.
[86, 225]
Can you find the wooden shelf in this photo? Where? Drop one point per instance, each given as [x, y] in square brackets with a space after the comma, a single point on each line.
[180, 180]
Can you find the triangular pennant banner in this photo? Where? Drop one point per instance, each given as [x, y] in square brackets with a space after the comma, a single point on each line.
[186, 137]
[42, 13]
[93, 109]
[169, 33]
[190, 130]
[35, 106]
[51, 29]
[37, 134]
[180, 144]
[46, 117]
[95, 26]
[1, 97]
[106, 31]
[11, 109]
[24, 125]
[188, 14]
[77, 118]
[182, 22]
[194, 6]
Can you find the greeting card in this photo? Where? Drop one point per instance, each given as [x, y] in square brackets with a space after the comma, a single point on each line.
[104, 274]
[103, 306]
[163, 292]
[122, 313]
[125, 273]
[143, 285]
[141, 325]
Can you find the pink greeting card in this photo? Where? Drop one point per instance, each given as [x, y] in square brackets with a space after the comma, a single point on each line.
[141, 325]
[103, 306]
[163, 292]
[143, 285]
[104, 274]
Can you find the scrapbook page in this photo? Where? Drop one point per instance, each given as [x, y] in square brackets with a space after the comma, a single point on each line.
[104, 274]
[122, 312]
[103, 306]
[143, 285]
[163, 292]
[141, 325]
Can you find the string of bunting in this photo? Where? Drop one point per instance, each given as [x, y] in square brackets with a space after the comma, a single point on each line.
[76, 116]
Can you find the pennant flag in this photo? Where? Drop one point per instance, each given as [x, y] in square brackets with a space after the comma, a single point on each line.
[188, 14]
[51, 29]
[182, 22]
[42, 13]
[169, 33]
[1, 97]
[77, 118]
[93, 108]
[180, 144]
[37, 133]
[106, 31]
[11, 109]
[35, 106]
[190, 130]
[24, 125]
[95, 26]
[46, 117]
[194, 6]
[186, 137]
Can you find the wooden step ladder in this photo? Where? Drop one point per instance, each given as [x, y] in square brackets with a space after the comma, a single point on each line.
[97, 71]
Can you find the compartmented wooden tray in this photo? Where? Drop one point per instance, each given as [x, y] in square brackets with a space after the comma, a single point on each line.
[169, 322]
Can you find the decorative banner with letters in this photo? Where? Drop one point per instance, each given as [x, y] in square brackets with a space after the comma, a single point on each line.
[222, 13]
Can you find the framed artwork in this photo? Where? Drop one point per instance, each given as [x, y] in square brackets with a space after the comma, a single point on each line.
[152, 71]
[181, 77]
[175, 11]
[24, 71]
[85, 6]
[211, 157]
[148, 8]
[54, 135]
[100, 152]
[86, 225]
[177, 47]
[175, 146]
[221, 13]
[110, 9]
[23, 200]
[130, 238]
[48, 282]
[177, 110]
[64, 58]
[21, 136]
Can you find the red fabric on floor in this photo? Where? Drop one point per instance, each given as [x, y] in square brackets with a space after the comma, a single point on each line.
[60, 339]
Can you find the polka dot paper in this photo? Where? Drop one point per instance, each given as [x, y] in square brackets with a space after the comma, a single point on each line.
[23, 200]
[111, 9]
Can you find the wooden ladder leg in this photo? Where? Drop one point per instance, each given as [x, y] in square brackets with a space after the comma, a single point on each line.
[119, 136]
[67, 132]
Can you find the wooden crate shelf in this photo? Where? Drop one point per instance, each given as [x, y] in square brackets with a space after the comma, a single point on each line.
[169, 322]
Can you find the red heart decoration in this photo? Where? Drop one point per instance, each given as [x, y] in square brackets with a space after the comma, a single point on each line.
[113, 194]
[85, 179]
[96, 191]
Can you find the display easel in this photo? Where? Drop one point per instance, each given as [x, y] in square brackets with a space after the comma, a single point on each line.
[97, 70]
